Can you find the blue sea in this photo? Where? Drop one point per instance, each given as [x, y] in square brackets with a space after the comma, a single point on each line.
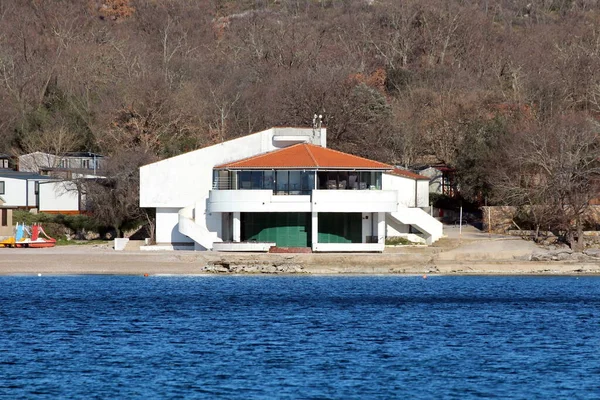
[264, 337]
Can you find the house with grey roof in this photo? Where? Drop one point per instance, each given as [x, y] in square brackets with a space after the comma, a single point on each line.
[31, 191]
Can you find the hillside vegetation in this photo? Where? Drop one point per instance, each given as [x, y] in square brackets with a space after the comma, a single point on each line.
[480, 85]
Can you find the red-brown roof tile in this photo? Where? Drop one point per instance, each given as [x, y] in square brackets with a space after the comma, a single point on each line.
[305, 155]
[407, 174]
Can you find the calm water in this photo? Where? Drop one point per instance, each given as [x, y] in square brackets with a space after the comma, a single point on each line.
[299, 337]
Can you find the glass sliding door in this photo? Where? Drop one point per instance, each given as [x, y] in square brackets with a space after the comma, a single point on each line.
[269, 180]
[308, 182]
[282, 182]
[295, 182]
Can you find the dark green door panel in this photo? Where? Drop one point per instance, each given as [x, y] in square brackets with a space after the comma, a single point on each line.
[285, 229]
[340, 228]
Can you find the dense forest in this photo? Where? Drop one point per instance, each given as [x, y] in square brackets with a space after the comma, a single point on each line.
[506, 91]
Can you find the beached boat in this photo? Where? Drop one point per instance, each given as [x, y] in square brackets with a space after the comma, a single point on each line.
[9, 242]
[34, 240]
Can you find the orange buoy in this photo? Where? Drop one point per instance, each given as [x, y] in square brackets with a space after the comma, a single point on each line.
[146, 275]
[424, 276]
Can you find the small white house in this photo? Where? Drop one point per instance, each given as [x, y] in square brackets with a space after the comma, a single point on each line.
[281, 187]
[27, 190]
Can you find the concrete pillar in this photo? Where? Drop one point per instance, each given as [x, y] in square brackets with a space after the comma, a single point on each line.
[237, 225]
[314, 230]
[367, 223]
[380, 227]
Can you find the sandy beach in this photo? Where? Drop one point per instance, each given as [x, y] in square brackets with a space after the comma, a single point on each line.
[471, 253]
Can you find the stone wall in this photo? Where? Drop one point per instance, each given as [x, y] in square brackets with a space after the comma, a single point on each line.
[499, 219]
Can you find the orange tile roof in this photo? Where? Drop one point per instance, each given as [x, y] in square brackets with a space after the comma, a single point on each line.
[407, 174]
[305, 155]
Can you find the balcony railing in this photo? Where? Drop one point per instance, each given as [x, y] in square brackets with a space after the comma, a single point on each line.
[220, 183]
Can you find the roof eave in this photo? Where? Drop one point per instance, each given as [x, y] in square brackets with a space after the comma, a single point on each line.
[302, 168]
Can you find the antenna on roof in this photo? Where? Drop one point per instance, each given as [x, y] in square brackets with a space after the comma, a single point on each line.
[317, 123]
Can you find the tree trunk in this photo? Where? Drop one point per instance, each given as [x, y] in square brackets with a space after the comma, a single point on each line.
[580, 239]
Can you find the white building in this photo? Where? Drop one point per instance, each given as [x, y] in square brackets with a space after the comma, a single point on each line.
[25, 190]
[282, 187]
[67, 166]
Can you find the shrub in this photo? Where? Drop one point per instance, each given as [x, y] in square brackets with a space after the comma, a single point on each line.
[57, 225]
[397, 241]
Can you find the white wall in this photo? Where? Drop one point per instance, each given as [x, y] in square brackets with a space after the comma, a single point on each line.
[354, 200]
[422, 193]
[14, 192]
[186, 179]
[406, 188]
[255, 201]
[58, 196]
[411, 192]
[166, 226]
[180, 181]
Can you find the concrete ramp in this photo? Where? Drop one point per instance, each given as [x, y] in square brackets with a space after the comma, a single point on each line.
[198, 233]
[419, 219]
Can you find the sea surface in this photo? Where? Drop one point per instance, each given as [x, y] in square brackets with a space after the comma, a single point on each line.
[264, 337]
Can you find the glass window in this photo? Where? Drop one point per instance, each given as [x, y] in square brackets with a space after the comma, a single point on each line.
[295, 184]
[308, 182]
[245, 180]
[342, 180]
[322, 180]
[1, 187]
[353, 180]
[282, 181]
[365, 180]
[332, 180]
[257, 177]
[269, 180]
[377, 180]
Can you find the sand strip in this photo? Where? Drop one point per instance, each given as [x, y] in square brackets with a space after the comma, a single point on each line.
[103, 260]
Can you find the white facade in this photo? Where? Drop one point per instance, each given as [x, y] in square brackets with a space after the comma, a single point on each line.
[25, 190]
[58, 196]
[187, 179]
[20, 191]
[411, 192]
[83, 164]
[190, 210]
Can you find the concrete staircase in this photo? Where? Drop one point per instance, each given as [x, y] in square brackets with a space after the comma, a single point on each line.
[429, 226]
[198, 233]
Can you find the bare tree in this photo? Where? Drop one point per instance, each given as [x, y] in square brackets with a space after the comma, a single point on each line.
[553, 169]
[114, 198]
